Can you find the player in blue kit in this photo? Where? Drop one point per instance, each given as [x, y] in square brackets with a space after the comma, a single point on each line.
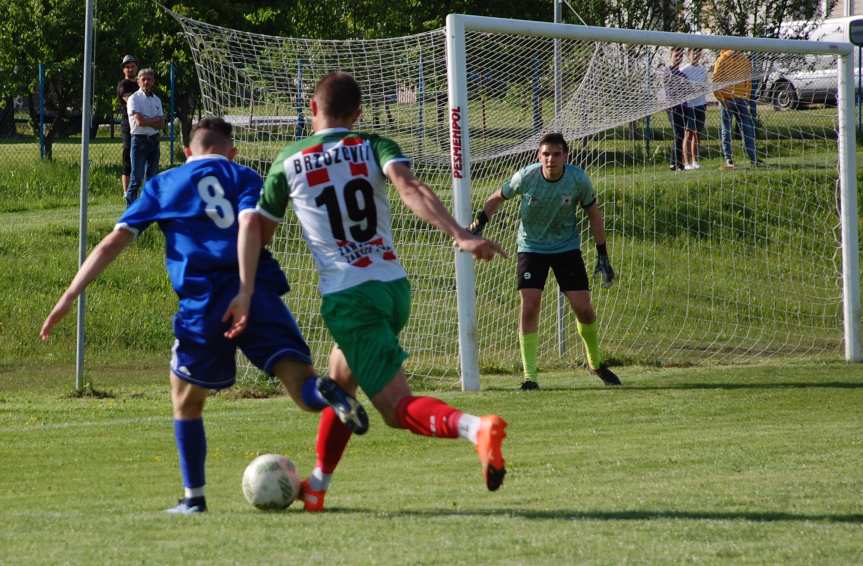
[199, 208]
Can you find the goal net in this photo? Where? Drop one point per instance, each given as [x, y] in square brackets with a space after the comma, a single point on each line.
[714, 264]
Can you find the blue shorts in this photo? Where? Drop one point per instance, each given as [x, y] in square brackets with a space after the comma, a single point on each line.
[208, 359]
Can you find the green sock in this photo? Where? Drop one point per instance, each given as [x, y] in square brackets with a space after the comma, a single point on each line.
[528, 344]
[591, 343]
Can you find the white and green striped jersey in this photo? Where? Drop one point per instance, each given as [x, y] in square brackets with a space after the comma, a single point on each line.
[547, 211]
[335, 181]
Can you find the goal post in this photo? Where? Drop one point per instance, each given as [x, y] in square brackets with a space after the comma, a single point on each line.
[457, 25]
[848, 205]
[462, 207]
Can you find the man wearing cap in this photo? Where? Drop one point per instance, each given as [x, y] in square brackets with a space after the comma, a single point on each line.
[125, 87]
[146, 118]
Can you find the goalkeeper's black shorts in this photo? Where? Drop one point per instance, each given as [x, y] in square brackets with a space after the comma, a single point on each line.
[568, 269]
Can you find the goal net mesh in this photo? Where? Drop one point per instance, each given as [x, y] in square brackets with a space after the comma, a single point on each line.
[714, 266]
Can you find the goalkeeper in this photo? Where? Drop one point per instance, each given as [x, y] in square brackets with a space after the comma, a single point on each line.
[548, 237]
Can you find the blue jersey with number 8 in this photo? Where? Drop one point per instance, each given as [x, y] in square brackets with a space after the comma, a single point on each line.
[197, 206]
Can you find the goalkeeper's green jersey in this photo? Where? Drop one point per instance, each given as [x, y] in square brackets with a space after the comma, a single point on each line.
[547, 212]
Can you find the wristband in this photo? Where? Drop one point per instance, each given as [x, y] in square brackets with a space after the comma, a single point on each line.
[601, 249]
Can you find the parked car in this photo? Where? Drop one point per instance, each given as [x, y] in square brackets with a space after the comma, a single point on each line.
[810, 79]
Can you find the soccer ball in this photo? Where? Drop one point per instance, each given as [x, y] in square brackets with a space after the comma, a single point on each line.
[271, 482]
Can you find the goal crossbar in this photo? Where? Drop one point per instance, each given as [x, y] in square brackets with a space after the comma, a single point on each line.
[644, 37]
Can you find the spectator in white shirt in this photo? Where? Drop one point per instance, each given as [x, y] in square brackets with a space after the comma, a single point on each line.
[146, 118]
[695, 110]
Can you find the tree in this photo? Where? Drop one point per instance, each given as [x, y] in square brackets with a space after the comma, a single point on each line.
[48, 43]
[756, 18]
[51, 32]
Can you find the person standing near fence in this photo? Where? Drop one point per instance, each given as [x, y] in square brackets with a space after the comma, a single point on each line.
[734, 70]
[146, 118]
[126, 87]
[695, 110]
[675, 85]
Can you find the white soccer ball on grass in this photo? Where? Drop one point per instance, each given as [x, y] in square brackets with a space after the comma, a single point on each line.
[271, 482]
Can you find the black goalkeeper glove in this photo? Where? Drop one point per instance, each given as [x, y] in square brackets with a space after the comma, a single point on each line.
[603, 266]
[477, 225]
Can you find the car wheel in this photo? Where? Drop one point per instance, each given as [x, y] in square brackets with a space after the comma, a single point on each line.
[785, 97]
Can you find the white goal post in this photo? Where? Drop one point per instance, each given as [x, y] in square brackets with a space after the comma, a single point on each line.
[456, 27]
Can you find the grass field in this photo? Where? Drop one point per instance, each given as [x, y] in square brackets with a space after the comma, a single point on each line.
[754, 465]
[711, 266]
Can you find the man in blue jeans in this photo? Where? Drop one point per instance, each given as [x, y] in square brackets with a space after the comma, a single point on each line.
[738, 109]
[146, 119]
[734, 70]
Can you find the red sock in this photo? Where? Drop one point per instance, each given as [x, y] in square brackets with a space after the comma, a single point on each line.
[428, 416]
[333, 438]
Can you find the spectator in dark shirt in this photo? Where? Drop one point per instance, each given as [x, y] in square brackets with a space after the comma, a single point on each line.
[125, 87]
[675, 86]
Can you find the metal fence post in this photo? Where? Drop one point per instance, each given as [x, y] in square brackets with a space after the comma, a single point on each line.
[171, 112]
[300, 125]
[41, 111]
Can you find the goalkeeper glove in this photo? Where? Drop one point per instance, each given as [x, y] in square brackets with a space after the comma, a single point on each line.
[477, 225]
[603, 266]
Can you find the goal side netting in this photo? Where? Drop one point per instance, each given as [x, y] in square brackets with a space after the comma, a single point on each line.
[715, 265]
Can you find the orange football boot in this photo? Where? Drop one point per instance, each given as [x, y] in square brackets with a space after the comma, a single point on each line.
[489, 441]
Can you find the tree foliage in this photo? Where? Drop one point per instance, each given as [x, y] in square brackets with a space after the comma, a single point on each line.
[761, 18]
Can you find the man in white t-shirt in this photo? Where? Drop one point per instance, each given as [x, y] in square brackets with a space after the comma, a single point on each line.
[146, 118]
[695, 110]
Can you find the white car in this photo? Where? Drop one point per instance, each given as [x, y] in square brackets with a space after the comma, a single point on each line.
[812, 79]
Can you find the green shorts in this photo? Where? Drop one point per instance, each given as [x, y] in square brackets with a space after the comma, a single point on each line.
[365, 322]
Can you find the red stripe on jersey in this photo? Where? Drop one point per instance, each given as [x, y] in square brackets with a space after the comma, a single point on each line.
[358, 169]
[342, 243]
[314, 149]
[362, 262]
[389, 256]
[352, 140]
[317, 177]
[377, 242]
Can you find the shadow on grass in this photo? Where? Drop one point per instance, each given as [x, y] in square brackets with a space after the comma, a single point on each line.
[657, 515]
[788, 385]
[692, 386]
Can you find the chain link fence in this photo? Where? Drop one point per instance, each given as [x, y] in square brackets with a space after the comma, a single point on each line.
[30, 133]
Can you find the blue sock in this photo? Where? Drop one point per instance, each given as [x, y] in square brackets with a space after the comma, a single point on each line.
[310, 395]
[192, 448]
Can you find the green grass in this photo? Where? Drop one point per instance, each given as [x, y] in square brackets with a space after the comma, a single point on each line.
[753, 252]
[754, 465]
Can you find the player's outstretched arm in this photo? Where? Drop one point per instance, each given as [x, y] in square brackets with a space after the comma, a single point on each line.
[597, 229]
[102, 255]
[483, 217]
[425, 204]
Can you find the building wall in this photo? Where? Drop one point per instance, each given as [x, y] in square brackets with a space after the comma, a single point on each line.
[839, 8]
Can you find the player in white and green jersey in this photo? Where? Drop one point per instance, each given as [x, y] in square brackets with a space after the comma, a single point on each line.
[551, 192]
[336, 181]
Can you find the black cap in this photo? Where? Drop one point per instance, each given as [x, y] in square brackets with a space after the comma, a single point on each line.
[129, 59]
